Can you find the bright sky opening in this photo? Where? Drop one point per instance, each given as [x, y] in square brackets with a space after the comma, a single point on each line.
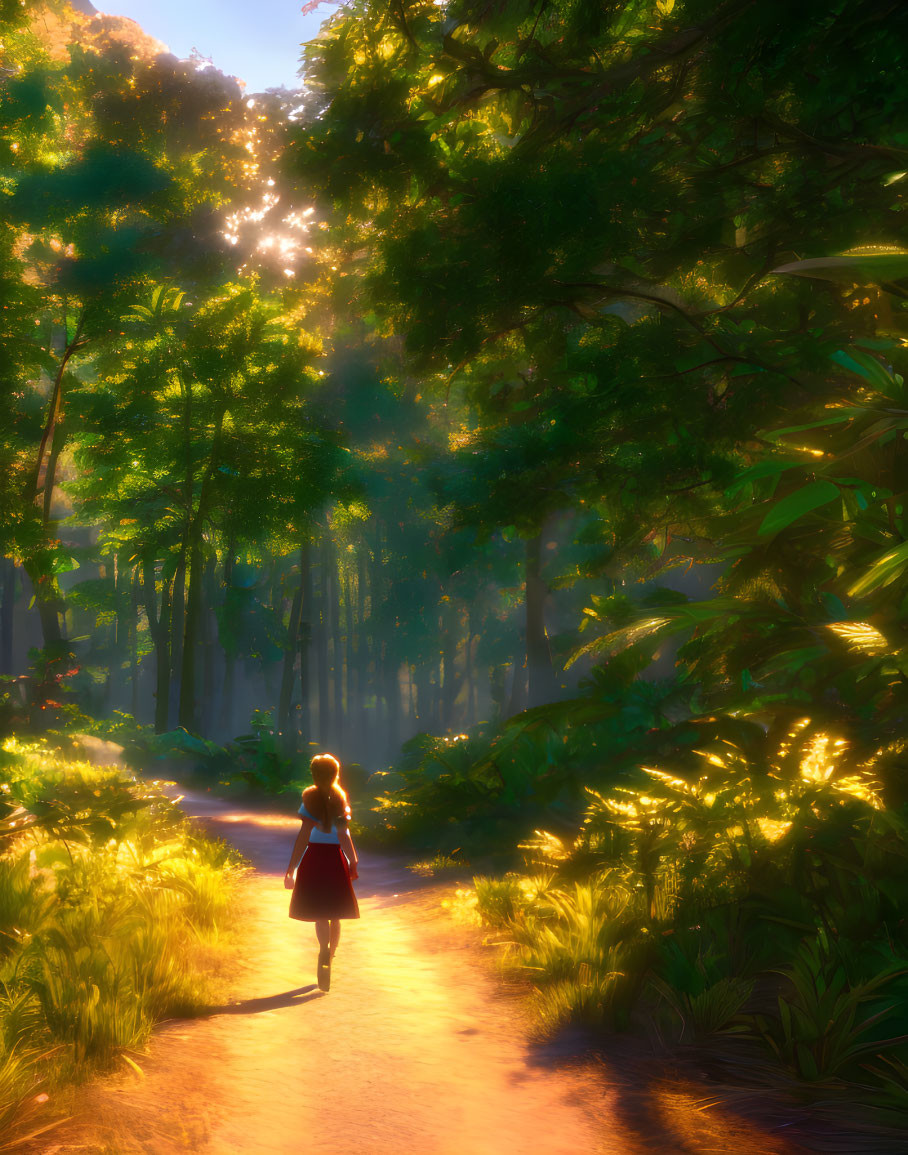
[258, 42]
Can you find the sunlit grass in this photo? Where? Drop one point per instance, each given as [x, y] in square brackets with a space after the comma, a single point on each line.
[682, 902]
[439, 866]
[112, 917]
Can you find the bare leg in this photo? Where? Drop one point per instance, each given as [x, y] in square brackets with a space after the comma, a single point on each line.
[335, 935]
[324, 955]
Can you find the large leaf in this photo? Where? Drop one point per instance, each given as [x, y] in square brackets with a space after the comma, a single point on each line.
[796, 505]
[869, 269]
[832, 419]
[865, 366]
[769, 468]
[883, 571]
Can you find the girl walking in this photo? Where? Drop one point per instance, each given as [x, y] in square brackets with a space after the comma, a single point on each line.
[327, 861]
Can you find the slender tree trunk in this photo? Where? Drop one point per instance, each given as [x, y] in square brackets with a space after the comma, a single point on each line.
[350, 670]
[451, 682]
[41, 485]
[540, 674]
[288, 673]
[305, 639]
[337, 650]
[159, 624]
[411, 699]
[192, 626]
[50, 476]
[7, 613]
[185, 611]
[43, 476]
[134, 644]
[498, 690]
[382, 645]
[392, 697]
[206, 637]
[188, 712]
[517, 701]
[424, 697]
[438, 709]
[177, 625]
[362, 644]
[227, 692]
[321, 645]
[469, 674]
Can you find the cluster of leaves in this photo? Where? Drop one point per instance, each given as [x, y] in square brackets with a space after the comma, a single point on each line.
[109, 907]
[757, 893]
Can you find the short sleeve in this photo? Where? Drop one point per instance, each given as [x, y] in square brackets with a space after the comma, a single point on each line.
[304, 813]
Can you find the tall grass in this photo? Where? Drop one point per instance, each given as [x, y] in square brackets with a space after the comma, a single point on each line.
[110, 908]
[762, 900]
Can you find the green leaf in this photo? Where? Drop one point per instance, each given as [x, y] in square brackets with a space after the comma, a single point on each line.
[864, 366]
[836, 419]
[770, 468]
[793, 507]
[872, 269]
[882, 572]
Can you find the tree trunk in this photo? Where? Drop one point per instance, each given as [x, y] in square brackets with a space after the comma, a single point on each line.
[469, 674]
[540, 674]
[134, 644]
[177, 625]
[206, 637]
[43, 475]
[498, 690]
[450, 683]
[438, 696]
[226, 718]
[188, 716]
[350, 671]
[424, 697]
[337, 650]
[362, 647]
[392, 697]
[159, 625]
[7, 613]
[41, 484]
[517, 701]
[321, 645]
[288, 673]
[305, 639]
[47, 602]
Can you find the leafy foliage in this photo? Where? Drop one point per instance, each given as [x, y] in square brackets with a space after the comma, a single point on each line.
[108, 902]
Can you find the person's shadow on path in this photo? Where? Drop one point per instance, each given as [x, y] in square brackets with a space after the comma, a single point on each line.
[293, 998]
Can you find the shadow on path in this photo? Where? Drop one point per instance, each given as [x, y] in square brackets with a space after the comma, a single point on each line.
[294, 998]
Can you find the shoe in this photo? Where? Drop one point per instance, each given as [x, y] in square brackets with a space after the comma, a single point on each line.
[324, 970]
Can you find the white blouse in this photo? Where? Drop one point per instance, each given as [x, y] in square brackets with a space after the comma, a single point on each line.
[319, 835]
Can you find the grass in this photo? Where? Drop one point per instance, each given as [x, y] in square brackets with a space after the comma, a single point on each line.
[112, 918]
[440, 866]
[746, 910]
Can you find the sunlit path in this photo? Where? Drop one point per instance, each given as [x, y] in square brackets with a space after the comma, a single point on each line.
[415, 1051]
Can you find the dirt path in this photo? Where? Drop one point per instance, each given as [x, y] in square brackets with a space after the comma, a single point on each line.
[415, 1051]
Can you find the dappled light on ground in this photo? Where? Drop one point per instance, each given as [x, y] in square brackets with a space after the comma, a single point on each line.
[265, 821]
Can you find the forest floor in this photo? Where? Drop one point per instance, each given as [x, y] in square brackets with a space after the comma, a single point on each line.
[418, 1049]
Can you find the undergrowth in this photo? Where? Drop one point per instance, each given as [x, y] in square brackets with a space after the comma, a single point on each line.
[112, 918]
[749, 903]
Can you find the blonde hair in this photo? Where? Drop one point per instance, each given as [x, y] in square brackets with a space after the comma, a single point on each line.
[326, 801]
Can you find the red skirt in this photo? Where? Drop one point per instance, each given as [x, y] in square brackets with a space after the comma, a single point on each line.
[323, 889]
